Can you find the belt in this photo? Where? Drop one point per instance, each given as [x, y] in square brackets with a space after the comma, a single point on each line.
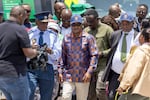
[49, 64]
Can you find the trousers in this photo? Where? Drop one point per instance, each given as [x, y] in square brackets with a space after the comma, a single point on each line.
[112, 85]
[80, 87]
[15, 88]
[44, 80]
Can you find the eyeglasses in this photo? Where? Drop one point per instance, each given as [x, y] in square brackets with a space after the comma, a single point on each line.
[141, 12]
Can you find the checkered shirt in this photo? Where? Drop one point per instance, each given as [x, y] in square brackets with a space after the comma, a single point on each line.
[78, 54]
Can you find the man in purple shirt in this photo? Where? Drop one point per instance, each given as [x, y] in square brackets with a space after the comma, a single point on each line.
[79, 60]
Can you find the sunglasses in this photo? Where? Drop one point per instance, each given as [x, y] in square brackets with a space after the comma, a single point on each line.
[28, 11]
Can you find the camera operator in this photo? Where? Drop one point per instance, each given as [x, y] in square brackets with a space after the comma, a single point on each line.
[40, 35]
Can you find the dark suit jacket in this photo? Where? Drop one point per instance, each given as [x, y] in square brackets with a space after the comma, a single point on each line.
[115, 38]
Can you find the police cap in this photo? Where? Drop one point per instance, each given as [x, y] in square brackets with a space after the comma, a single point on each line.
[42, 16]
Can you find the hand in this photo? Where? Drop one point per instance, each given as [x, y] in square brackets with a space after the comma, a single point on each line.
[87, 77]
[100, 53]
[34, 46]
[60, 78]
[50, 51]
[120, 90]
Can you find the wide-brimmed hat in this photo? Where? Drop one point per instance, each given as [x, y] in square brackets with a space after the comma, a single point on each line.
[78, 9]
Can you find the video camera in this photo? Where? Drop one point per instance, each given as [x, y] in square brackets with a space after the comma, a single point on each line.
[40, 61]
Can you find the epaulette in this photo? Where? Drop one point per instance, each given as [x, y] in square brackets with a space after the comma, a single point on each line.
[32, 30]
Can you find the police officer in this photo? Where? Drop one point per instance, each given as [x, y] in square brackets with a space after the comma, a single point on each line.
[37, 76]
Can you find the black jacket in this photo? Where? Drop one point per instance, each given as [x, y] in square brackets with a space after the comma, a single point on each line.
[115, 38]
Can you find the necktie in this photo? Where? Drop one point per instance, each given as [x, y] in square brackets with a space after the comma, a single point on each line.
[124, 48]
[41, 39]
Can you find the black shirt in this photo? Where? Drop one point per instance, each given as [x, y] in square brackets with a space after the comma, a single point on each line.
[13, 38]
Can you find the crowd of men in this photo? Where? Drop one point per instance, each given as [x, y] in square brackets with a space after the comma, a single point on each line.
[74, 54]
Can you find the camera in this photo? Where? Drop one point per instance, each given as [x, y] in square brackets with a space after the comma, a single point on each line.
[40, 61]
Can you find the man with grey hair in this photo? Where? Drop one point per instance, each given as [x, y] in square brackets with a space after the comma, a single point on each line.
[121, 42]
[42, 75]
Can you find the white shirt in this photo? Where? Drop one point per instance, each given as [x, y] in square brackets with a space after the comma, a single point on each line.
[136, 40]
[117, 64]
[65, 31]
[50, 38]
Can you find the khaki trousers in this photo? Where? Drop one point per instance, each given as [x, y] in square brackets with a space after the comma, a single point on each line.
[81, 90]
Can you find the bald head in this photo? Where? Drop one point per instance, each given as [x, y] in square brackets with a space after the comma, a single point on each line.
[26, 6]
[60, 4]
[66, 16]
[17, 10]
[117, 4]
[66, 13]
[18, 14]
[58, 7]
[28, 9]
[114, 11]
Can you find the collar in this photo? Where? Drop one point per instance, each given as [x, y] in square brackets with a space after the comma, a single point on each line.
[82, 34]
[131, 32]
[66, 28]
